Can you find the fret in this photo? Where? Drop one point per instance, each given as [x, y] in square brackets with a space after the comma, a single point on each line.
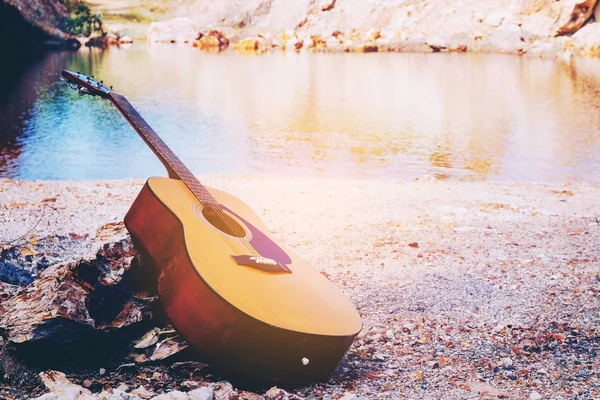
[162, 151]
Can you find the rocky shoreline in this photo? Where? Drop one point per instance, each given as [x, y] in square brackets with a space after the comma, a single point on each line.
[541, 28]
[466, 290]
[535, 28]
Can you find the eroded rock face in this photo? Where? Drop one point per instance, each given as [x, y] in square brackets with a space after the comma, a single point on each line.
[27, 22]
[582, 11]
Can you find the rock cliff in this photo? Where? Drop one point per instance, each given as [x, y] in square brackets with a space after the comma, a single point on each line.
[539, 27]
[25, 23]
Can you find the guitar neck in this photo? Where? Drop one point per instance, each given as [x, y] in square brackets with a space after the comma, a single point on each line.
[175, 167]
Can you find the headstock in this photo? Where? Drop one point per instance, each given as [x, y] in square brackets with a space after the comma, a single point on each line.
[85, 84]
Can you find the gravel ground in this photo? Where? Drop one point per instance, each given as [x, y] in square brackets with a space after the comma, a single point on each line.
[467, 290]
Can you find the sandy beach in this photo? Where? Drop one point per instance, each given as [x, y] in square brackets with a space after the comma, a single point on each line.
[466, 289]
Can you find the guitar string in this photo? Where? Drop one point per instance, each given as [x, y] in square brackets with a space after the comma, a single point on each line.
[194, 189]
[192, 184]
[135, 117]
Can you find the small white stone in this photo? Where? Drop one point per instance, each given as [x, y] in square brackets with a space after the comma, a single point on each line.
[305, 361]
[102, 371]
[349, 396]
[203, 393]
[123, 387]
[535, 396]
[495, 18]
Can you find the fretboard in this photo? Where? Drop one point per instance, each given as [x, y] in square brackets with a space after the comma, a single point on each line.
[173, 164]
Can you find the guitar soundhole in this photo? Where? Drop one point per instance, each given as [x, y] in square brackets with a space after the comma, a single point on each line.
[223, 222]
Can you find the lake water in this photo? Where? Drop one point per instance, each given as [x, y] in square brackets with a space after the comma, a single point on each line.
[377, 116]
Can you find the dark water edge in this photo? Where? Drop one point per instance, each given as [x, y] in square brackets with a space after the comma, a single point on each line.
[375, 116]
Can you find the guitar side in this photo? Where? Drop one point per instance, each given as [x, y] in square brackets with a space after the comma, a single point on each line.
[286, 327]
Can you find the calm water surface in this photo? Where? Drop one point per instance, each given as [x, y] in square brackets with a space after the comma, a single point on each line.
[453, 116]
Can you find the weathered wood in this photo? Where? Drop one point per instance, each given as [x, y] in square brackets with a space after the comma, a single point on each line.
[70, 300]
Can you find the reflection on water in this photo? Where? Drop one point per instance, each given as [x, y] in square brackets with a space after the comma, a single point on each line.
[453, 116]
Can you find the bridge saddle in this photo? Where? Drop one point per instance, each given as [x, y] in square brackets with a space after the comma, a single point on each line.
[262, 263]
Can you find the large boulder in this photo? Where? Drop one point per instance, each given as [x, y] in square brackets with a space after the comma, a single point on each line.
[587, 40]
[213, 41]
[177, 30]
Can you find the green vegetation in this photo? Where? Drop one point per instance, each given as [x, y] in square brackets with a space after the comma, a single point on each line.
[134, 16]
[81, 21]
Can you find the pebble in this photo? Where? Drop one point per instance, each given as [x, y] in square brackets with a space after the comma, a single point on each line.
[87, 383]
[102, 371]
[535, 396]
[190, 384]
[172, 395]
[143, 393]
[203, 393]
[582, 373]
[349, 396]
[123, 388]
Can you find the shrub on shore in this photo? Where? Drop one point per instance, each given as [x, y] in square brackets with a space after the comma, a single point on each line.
[83, 22]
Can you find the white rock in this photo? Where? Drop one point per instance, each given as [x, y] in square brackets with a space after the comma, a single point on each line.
[123, 387]
[308, 43]
[276, 393]
[114, 394]
[203, 393]
[223, 390]
[566, 56]
[143, 393]
[496, 18]
[173, 395]
[292, 44]
[535, 396]
[372, 34]
[47, 396]
[174, 30]
[349, 396]
[436, 44]
[332, 41]
[190, 384]
[61, 387]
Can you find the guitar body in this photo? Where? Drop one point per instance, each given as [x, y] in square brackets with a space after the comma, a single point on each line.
[285, 322]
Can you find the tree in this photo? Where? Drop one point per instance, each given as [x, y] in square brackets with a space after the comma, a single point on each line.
[83, 22]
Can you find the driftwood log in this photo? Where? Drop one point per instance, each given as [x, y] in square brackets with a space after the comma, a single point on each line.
[96, 310]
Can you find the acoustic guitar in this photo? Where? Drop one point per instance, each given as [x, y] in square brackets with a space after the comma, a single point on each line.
[246, 302]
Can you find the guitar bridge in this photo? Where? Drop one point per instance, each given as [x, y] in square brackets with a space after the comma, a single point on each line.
[261, 263]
